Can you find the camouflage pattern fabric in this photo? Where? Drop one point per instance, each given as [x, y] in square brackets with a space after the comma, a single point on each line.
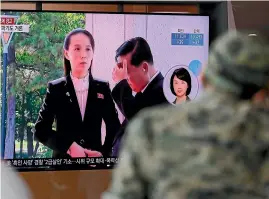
[215, 147]
[237, 60]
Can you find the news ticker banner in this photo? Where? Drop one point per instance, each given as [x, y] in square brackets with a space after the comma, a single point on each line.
[76, 162]
[15, 28]
[9, 26]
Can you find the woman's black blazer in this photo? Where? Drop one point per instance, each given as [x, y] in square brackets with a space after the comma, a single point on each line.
[61, 108]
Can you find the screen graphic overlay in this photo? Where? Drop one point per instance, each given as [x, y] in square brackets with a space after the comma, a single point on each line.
[35, 57]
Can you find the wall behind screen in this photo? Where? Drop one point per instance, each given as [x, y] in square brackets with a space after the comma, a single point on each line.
[101, 7]
[81, 184]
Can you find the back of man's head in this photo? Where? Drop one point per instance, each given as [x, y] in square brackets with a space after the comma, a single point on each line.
[139, 49]
[238, 64]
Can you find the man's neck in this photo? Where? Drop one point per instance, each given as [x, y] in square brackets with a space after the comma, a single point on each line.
[152, 73]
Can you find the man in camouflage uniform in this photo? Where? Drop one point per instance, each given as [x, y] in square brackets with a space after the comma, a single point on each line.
[216, 147]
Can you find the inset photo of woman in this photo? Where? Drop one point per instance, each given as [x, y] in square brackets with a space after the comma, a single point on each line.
[180, 85]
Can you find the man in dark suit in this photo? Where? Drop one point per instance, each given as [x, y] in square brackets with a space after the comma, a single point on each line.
[135, 72]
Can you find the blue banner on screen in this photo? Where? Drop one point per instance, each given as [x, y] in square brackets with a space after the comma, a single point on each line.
[187, 39]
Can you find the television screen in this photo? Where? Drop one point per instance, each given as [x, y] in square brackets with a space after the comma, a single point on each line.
[75, 80]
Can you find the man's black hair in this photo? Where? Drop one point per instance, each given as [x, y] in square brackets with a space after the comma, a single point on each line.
[139, 48]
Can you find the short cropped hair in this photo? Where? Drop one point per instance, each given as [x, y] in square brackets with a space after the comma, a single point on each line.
[139, 48]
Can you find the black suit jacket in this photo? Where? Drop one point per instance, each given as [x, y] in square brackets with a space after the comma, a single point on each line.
[61, 105]
[130, 105]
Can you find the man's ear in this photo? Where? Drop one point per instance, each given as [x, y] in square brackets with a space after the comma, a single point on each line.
[203, 80]
[66, 54]
[145, 67]
[260, 96]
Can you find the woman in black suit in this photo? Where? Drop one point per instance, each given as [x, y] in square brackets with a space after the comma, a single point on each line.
[77, 103]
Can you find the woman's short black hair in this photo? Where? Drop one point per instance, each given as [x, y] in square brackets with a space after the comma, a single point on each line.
[67, 65]
[182, 74]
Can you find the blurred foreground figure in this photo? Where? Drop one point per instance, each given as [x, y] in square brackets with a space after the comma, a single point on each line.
[12, 185]
[216, 147]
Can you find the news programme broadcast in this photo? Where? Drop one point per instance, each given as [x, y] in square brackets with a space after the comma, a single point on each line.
[47, 124]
